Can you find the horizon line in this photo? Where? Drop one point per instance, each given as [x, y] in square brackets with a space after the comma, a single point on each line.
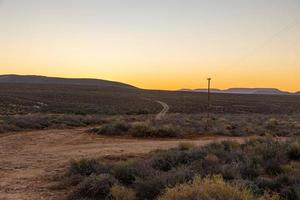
[182, 88]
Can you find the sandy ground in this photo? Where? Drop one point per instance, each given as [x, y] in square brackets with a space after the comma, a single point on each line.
[28, 160]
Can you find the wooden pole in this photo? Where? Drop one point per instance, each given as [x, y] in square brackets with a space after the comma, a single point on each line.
[208, 97]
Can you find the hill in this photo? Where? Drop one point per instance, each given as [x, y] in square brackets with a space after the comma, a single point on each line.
[268, 91]
[32, 79]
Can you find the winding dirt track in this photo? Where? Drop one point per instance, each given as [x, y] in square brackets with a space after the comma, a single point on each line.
[29, 159]
[163, 112]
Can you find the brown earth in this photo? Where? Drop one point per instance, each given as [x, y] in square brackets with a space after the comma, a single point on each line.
[30, 160]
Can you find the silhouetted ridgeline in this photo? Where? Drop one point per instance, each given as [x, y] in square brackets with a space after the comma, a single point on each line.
[269, 91]
[31, 79]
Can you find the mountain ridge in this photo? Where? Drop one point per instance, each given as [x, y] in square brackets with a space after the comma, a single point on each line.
[36, 79]
[239, 90]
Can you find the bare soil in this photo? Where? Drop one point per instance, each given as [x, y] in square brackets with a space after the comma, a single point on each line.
[30, 160]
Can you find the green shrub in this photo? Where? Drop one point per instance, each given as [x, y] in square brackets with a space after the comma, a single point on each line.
[86, 167]
[177, 176]
[94, 187]
[145, 129]
[168, 160]
[114, 128]
[142, 129]
[230, 171]
[125, 173]
[165, 131]
[148, 189]
[68, 181]
[251, 168]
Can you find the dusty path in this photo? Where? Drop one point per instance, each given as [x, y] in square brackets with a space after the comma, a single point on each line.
[163, 112]
[29, 159]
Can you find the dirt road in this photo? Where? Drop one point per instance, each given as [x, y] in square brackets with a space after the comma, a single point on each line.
[164, 111]
[29, 159]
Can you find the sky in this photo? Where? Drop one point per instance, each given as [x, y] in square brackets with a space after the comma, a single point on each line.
[155, 44]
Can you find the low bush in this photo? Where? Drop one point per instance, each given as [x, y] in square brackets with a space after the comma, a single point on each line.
[142, 129]
[148, 189]
[249, 170]
[94, 187]
[167, 160]
[86, 167]
[207, 189]
[294, 151]
[114, 128]
[125, 173]
[166, 131]
[119, 192]
[46, 121]
[146, 129]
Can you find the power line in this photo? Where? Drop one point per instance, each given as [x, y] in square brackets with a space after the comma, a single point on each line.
[275, 36]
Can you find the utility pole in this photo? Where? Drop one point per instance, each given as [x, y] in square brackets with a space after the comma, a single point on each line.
[208, 97]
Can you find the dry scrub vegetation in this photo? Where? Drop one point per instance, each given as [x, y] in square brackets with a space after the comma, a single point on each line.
[47, 121]
[183, 125]
[75, 99]
[259, 169]
[171, 126]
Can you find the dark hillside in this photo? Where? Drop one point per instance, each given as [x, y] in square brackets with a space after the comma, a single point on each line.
[31, 79]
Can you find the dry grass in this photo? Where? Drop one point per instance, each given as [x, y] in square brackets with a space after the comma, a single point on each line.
[183, 125]
[207, 189]
[122, 193]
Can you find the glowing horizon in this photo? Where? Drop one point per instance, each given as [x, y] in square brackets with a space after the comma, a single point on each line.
[170, 44]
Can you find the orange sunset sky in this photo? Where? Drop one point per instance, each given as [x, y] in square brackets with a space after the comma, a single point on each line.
[157, 44]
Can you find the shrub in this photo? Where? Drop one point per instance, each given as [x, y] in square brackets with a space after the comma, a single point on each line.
[207, 189]
[260, 165]
[141, 129]
[287, 168]
[230, 145]
[165, 131]
[70, 181]
[125, 173]
[177, 176]
[43, 121]
[269, 196]
[86, 167]
[291, 192]
[148, 189]
[230, 171]
[144, 169]
[94, 187]
[268, 184]
[114, 128]
[294, 151]
[270, 153]
[119, 192]
[145, 129]
[168, 160]
[251, 168]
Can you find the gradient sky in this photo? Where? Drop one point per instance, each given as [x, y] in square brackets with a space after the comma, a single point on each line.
[158, 44]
